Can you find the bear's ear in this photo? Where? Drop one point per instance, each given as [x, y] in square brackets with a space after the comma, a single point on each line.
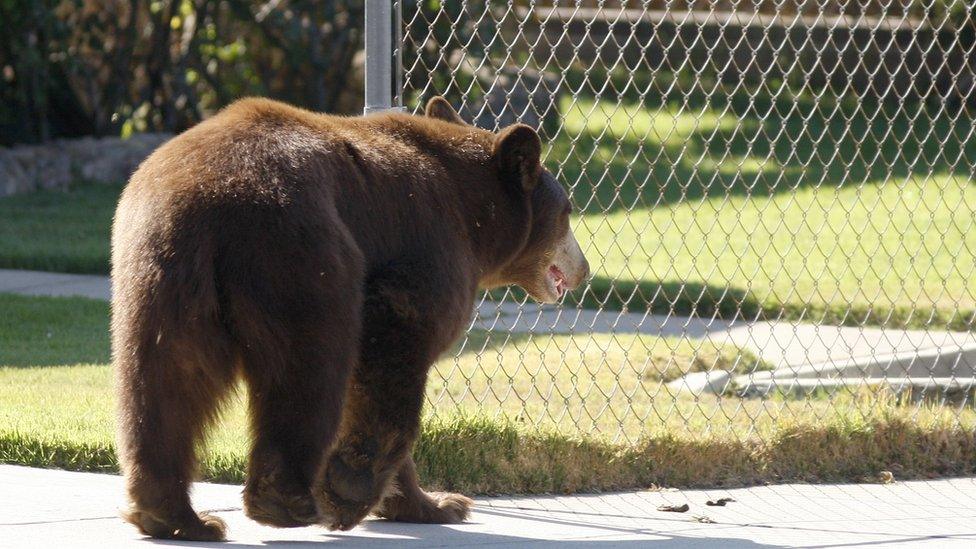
[518, 150]
[439, 108]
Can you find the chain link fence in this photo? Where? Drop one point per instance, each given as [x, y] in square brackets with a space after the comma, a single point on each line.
[776, 199]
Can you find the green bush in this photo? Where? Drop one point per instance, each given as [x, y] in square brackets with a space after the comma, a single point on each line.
[100, 67]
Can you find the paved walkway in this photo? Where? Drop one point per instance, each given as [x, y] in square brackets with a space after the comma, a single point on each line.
[48, 508]
[57, 284]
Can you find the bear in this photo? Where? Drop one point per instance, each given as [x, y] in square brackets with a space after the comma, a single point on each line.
[325, 262]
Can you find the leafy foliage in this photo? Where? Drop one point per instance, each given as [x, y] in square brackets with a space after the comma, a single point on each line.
[81, 67]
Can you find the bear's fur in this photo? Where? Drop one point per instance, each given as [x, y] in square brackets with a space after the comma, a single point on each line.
[327, 261]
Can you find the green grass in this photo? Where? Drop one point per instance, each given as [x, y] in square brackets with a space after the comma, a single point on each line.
[56, 411]
[602, 383]
[61, 231]
[837, 212]
[37, 331]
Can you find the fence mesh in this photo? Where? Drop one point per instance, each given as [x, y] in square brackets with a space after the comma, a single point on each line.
[775, 198]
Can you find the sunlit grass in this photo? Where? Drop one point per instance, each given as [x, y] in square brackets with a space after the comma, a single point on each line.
[902, 244]
[41, 331]
[536, 414]
[670, 126]
[600, 384]
[836, 216]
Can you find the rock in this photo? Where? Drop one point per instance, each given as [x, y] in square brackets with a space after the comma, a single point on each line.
[529, 98]
[60, 163]
[46, 166]
[115, 161]
[13, 179]
[714, 382]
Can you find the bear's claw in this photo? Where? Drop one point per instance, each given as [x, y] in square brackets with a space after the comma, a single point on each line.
[270, 506]
[338, 514]
[203, 527]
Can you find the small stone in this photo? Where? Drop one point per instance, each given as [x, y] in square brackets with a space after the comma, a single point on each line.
[714, 382]
[720, 502]
[702, 519]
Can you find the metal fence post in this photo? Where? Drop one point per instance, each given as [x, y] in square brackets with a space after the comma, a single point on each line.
[379, 56]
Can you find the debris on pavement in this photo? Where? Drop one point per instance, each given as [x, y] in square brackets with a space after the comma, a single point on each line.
[720, 502]
[683, 508]
[702, 519]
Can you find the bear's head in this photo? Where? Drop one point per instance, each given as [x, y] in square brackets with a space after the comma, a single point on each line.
[550, 262]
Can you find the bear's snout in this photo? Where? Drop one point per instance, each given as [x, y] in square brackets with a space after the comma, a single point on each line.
[569, 268]
[585, 273]
[570, 259]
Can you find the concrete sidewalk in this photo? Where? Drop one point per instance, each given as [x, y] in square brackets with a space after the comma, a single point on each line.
[48, 508]
[55, 284]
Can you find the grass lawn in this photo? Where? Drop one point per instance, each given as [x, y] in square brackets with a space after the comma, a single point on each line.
[844, 214]
[61, 231]
[841, 213]
[56, 410]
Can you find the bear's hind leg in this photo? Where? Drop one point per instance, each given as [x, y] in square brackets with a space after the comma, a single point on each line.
[411, 504]
[165, 408]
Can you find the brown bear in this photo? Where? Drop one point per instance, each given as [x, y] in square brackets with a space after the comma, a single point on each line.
[327, 262]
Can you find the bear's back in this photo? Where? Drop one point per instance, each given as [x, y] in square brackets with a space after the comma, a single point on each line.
[257, 148]
[259, 161]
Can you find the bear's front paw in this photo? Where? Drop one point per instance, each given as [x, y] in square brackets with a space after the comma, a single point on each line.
[281, 510]
[272, 500]
[336, 514]
[345, 495]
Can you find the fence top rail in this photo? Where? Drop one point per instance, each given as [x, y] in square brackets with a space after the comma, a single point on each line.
[741, 18]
